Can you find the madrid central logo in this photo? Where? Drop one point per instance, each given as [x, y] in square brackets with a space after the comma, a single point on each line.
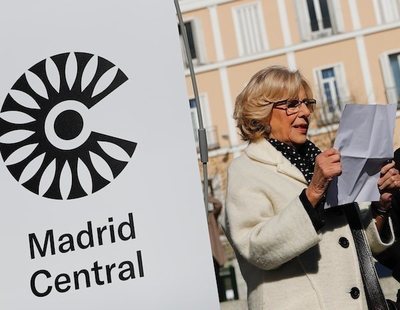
[46, 140]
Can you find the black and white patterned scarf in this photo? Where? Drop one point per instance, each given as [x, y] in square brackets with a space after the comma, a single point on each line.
[303, 157]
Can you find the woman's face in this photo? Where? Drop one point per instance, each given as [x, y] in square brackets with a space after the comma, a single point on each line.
[290, 129]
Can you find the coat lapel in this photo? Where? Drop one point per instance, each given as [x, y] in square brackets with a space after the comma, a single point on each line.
[264, 152]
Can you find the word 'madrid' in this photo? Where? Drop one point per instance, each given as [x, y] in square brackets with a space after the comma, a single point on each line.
[42, 281]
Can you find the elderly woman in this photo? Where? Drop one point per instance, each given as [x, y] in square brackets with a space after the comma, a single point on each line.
[291, 252]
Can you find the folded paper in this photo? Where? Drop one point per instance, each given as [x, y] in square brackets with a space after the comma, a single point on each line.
[365, 141]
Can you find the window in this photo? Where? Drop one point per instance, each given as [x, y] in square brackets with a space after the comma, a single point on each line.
[319, 15]
[204, 111]
[193, 34]
[333, 93]
[390, 64]
[395, 69]
[193, 115]
[319, 18]
[250, 29]
[389, 10]
[211, 131]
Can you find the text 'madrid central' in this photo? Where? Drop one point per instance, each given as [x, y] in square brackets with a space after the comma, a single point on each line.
[43, 282]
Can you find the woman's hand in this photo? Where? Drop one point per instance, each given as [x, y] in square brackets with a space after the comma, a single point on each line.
[388, 181]
[327, 166]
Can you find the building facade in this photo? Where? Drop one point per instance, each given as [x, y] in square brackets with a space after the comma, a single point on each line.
[349, 51]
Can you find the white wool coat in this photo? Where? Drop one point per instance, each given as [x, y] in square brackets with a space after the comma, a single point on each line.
[285, 262]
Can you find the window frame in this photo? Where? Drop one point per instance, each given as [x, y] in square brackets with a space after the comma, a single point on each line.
[304, 21]
[342, 98]
[205, 113]
[388, 77]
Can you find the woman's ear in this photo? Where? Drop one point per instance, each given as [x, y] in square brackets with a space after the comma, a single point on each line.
[257, 124]
[267, 129]
[267, 125]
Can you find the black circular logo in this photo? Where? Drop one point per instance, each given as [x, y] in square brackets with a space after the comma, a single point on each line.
[46, 139]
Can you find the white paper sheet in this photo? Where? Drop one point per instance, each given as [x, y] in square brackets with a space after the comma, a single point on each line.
[365, 142]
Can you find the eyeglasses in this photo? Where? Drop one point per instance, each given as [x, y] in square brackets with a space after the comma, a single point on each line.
[292, 106]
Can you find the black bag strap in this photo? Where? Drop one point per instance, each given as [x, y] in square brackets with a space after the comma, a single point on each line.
[373, 291]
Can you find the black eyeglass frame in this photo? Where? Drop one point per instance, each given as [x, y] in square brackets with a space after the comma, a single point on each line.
[309, 102]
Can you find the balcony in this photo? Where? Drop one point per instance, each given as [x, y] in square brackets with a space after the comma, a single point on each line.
[392, 96]
[328, 113]
[212, 138]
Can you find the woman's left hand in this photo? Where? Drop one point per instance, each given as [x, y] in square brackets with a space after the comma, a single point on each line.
[388, 181]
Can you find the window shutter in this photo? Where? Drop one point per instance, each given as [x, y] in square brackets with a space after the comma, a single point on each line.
[344, 95]
[389, 10]
[249, 29]
[303, 19]
[198, 41]
[335, 10]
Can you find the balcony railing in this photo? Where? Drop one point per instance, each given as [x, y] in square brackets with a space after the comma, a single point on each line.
[392, 96]
[326, 116]
[212, 138]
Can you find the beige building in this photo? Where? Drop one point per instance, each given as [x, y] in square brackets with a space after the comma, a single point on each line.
[349, 50]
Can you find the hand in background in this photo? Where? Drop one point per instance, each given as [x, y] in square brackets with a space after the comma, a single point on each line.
[387, 183]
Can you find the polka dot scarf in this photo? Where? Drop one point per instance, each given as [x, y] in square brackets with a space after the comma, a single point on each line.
[303, 157]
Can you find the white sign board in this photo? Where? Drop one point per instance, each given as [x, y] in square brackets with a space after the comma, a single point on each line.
[100, 191]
